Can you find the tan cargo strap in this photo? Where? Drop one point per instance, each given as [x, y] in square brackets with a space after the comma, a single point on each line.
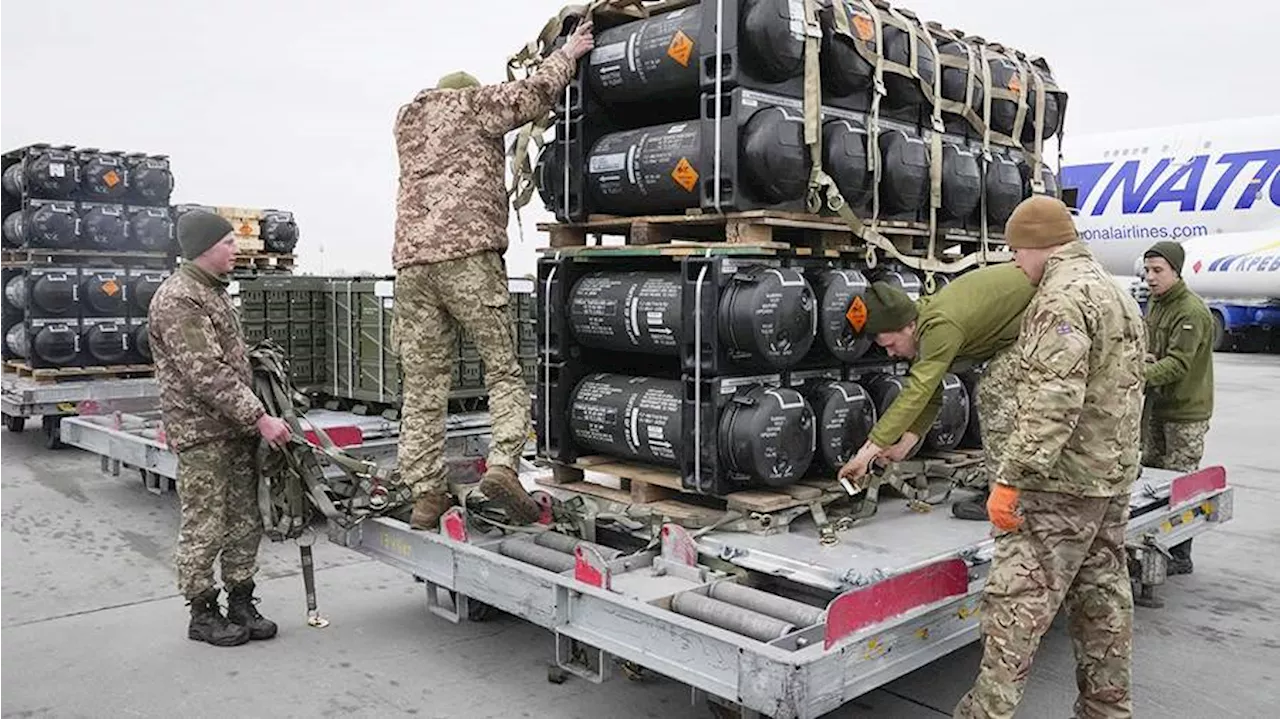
[524, 63]
[822, 189]
[969, 64]
[288, 478]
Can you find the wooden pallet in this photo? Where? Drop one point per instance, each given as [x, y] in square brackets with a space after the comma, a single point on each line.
[659, 489]
[64, 374]
[249, 244]
[240, 213]
[265, 261]
[814, 233]
[35, 255]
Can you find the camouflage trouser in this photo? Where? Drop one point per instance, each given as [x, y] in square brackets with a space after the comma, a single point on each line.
[1177, 446]
[997, 408]
[1173, 445]
[218, 493]
[431, 301]
[1068, 548]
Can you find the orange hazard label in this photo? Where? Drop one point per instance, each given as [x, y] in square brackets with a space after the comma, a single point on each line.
[684, 175]
[857, 314]
[1015, 85]
[111, 178]
[245, 229]
[681, 48]
[863, 27]
[110, 287]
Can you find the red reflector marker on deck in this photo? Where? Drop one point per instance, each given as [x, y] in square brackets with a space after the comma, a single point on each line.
[1203, 481]
[345, 436]
[862, 607]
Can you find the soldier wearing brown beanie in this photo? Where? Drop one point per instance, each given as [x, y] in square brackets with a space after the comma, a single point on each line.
[1060, 503]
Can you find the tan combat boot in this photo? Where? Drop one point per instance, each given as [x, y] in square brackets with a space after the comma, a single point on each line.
[503, 486]
[428, 509]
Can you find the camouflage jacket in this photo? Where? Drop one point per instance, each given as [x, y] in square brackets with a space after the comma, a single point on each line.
[1081, 351]
[200, 358]
[452, 201]
[965, 323]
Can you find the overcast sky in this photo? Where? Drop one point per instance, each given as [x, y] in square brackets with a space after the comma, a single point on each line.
[290, 104]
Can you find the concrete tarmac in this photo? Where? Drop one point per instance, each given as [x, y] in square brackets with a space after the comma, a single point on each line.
[91, 624]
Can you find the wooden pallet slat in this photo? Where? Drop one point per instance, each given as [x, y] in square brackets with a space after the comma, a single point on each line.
[57, 374]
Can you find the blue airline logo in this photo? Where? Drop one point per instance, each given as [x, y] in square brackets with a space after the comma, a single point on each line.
[1142, 191]
[1263, 259]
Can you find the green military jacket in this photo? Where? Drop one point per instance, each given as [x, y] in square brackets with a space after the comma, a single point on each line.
[1180, 336]
[1081, 350]
[965, 323]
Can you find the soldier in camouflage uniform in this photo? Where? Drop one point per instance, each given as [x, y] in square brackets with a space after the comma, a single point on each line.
[972, 320]
[451, 232]
[213, 422]
[1179, 374]
[1061, 499]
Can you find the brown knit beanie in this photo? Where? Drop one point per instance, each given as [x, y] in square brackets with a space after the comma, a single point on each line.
[1040, 221]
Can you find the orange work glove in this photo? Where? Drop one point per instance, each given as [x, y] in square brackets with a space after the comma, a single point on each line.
[1002, 507]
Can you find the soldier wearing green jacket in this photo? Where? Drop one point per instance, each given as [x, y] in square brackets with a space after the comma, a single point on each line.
[970, 321]
[1179, 374]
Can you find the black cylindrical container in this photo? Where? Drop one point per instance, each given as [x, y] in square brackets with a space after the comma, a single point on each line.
[150, 179]
[50, 225]
[142, 287]
[15, 340]
[48, 174]
[904, 176]
[953, 419]
[961, 182]
[628, 311]
[103, 293]
[845, 414]
[905, 91]
[142, 342]
[773, 156]
[768, 434]
[836, 290]
[15, 292]
[774, 52]
[107, 343]
[635, 418]
[279, 231]
[151, 228]
[103, 227]
[1047, 176]
[646, 60]
[54, 344]
[844, 158]
[52, 294]
[765, 315]
[650, 170]
[901, 277]
[844, 71]
[1004, 189]
[102, 176]
[973, 433]
[955, 81]
[768, 316]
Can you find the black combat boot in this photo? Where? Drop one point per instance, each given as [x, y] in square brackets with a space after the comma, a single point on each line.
[209, 625]
[241, 610]
[975, 509]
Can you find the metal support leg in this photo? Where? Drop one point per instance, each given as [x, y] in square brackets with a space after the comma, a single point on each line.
[582, 660]
[447, 604]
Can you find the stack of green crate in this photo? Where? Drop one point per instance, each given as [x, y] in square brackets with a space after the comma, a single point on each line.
[337, 331]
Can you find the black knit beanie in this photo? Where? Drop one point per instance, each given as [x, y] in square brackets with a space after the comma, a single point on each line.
[199, 230]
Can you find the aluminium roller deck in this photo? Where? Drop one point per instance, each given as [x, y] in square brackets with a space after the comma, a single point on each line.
[897, 591]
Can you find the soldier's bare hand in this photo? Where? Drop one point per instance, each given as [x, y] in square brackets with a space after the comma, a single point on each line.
[581, 41]
[899, 451]
[274, 430]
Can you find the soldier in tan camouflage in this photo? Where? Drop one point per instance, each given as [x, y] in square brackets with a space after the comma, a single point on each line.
[1060, 504]
[451, 233]
[213, 422]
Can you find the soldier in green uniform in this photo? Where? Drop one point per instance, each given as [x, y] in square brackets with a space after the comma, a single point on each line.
[1060, 503]
[970, 321]
[213, 422]
[1179, 374]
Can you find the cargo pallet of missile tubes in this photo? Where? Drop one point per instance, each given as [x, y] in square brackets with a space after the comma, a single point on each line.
[772, 624]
